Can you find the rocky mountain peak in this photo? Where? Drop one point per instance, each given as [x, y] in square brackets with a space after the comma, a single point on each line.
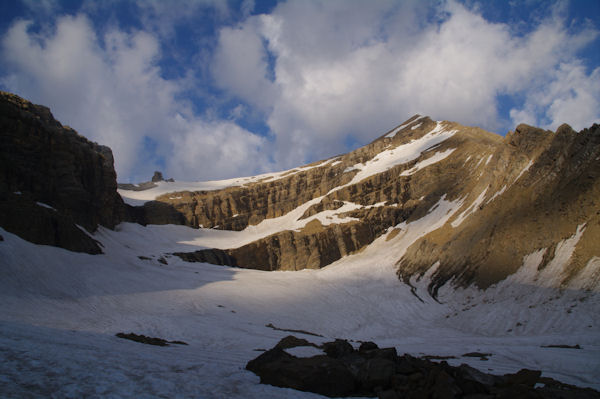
[505, 198]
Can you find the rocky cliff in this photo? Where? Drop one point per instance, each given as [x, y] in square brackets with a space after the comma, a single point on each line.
[454, 202]
[53, 180]
[539, 189]
[509, 197]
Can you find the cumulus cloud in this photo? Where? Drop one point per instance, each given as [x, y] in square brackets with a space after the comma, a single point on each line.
[318, 74]
[111, 91]
[222, 148]
[240, 65]
[570, 96]
[357, 69]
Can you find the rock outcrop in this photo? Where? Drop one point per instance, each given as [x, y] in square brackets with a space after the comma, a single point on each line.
[379, 372]
[44, 162]
[540, 189]
[513, 196]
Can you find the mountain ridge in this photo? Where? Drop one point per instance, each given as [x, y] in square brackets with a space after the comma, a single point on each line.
[449, 245]
[487, 173]
[510, 197]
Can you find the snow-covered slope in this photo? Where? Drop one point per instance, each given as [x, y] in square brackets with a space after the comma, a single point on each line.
[60, 311]
[436, 238]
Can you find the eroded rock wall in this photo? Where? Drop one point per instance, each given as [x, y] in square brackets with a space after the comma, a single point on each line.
[45, 162]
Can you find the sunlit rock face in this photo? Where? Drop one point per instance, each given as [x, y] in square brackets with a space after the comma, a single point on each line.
[454, 202]
[512, 196]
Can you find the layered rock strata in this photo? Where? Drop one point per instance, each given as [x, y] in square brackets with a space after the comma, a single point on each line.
[514, 195]
[44, 162]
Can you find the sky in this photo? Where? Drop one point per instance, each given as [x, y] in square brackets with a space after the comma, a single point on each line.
[213, 89]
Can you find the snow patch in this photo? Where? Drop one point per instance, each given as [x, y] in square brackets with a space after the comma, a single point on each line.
[588, 278]
[45, 206]
[397, 129]
[553, 274]
[304, 351]
[437, 157]
[402, 154]
[525, 169]
[497, 194]
[470, 210]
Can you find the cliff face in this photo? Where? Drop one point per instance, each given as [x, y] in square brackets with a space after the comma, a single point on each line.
[46, 163]
[513, 196]
[532, 195]
[540, 189]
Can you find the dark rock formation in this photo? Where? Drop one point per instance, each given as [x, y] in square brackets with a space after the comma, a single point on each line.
[158, 176]
[155, 212]
[372, 371]
[536, 187]
[213, 256]
[51, 164]
[38, 224]
[148, 340]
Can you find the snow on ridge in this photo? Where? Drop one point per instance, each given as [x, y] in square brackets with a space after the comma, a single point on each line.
[382, 162]
[402, 154]
[137, 198]
[45, 205]
[437, 157]
[525, 169]
[497, 194]
[397, 129]
[552, 275]
[470, 210]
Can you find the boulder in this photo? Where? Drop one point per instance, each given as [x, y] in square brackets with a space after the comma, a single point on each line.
[381, 372]
[158, 176]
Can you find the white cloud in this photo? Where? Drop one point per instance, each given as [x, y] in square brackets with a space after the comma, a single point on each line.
[356, 69]
[114, 94]
[42, 7]
[163, 16]
[570, 96]
[240, 64]
[213, 150]
[320, 72]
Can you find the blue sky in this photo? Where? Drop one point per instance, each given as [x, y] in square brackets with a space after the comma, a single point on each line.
[208, 89]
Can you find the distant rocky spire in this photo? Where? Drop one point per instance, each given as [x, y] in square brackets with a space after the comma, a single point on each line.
[157, 177]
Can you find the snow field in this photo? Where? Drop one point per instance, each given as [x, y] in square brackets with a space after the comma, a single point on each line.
[61, 310]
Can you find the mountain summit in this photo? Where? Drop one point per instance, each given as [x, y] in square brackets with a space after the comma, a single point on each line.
[485, 202]
[437, 240]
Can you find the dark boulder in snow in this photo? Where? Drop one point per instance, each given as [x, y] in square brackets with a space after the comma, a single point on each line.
[371, 372]
[158, 176]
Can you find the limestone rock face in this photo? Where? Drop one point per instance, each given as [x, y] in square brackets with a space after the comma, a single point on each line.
[512, 196]
[549, 185]
[51, 164]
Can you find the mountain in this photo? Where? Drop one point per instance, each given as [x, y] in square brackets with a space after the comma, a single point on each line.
[53, 182]
[505, 198]
[436, 240]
